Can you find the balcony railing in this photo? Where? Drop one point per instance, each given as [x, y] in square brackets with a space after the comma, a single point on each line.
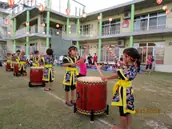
[110, 29]
[21, 31]
[83, 35]
[4, 35]
[150, 28]
[55, 32]
[33, 29]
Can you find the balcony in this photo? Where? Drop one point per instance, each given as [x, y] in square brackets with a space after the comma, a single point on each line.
[55, 32]
[34, 30]
[4, 35]
[84, 35]
[150, 28]
[153, 29]
[110, 30]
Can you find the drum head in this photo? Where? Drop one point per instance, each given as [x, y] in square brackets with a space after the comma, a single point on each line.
[90, 79]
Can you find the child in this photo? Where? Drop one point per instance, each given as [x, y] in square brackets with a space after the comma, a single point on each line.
[95, 58]
[83, 69]
[48, 75]
[22, 63]
[36, 59]
[9, 59]
[149, 64]
[13, 58]
[71, 72]
[18, 56]
[123, 89]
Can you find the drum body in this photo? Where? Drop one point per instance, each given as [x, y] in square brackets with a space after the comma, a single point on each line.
[36, 75]
[16, 68]
[8, 66]
[91, 95]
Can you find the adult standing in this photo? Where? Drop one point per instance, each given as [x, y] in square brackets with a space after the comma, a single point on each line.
[95, 58]
[89, 58]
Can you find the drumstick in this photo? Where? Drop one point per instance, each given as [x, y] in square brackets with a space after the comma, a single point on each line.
[98, 70]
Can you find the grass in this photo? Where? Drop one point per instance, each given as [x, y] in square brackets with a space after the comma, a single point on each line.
[22, 107]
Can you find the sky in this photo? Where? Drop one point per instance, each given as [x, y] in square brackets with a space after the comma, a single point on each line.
[94, 5]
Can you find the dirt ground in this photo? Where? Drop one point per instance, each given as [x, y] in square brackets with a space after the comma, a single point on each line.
[22, 107]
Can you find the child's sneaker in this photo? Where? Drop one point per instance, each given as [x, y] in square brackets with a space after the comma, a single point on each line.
[73, 102]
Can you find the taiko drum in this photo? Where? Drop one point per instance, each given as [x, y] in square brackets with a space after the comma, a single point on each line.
[16, 69]
[36, 75]
[91, 96]
[8, 66]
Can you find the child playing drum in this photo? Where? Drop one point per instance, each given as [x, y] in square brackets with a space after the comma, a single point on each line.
[71, 72]
[18, 56]
[9, 62]
[48, 73]
[13, 58]
[36, 59]
[123, 90]
[22, 63]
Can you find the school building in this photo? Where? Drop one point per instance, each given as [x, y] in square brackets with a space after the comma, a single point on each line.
[3, 29]
[142, 24]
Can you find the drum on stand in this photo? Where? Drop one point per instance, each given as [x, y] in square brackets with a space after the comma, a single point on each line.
[91, 96]
[36, 76]
[8, 66]
[16, 69]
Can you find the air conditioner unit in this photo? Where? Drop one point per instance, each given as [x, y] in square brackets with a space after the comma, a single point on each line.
[121, 43]
[127, 15]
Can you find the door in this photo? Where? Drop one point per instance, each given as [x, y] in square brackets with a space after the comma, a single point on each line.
[143, 51]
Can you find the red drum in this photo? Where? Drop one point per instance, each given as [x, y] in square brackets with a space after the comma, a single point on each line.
[36, 75]
[91, 96]
[16, 69]
[8, 66]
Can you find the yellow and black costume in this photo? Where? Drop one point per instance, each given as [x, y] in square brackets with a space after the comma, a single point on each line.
[71, 74]
[123, 96]
[22, 64]
[9, 60]
[36, 61]
[48, 75]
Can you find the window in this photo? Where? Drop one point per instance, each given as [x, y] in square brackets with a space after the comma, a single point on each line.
[150, 22]
[143, 24]
[109, 28]
[137, 25]
[86, 29]
[76, 11]
[159, 53]
[161, 21]
[153, 23]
